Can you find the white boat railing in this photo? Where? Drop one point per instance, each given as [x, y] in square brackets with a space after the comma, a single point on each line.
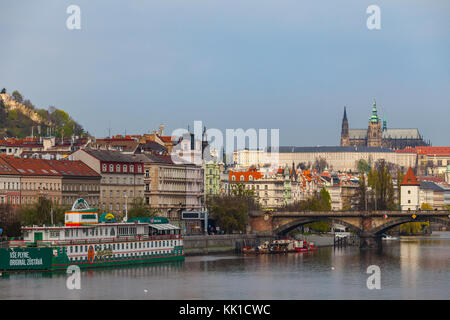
[43, 243]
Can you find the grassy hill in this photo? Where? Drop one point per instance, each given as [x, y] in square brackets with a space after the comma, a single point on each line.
[19, 117]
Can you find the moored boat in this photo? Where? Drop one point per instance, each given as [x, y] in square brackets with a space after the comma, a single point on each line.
[89, 241]
[281, 246]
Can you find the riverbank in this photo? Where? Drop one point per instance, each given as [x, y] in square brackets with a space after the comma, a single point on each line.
[218, 244]
[214, 244]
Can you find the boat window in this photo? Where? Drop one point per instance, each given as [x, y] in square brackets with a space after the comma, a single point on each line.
[76, 248]
[112, 233]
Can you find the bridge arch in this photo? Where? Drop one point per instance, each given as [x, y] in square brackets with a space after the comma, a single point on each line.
[401, 220]
[285, 228]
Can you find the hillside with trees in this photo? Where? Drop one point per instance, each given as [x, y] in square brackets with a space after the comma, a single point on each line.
[19, 118]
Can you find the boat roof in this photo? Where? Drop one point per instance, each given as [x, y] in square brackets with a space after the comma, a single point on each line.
[164, 226]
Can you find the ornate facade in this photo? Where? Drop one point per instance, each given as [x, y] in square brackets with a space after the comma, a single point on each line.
[378, 135]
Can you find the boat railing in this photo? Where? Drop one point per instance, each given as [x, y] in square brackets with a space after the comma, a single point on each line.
[43, 243]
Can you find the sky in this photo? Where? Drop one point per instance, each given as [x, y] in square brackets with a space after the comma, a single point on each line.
[265, 64]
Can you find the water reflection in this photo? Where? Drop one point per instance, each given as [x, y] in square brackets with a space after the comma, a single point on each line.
[412, 268]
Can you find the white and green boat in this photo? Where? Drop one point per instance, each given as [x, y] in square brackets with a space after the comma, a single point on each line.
[89, 241]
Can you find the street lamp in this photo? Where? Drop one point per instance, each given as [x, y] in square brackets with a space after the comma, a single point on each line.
[126, 208]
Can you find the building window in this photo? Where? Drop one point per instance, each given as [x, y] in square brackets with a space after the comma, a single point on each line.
[118, 168]
[139, 169]
[147, 173]
[104, 167]
[124, 168]
[409, 191]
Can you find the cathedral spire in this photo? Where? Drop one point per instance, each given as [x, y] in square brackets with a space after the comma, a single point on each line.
[374, 118]
[344, 132]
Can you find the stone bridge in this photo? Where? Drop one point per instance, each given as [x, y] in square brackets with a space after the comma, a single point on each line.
[369, 225]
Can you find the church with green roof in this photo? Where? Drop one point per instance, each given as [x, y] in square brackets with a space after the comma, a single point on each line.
[379, 135]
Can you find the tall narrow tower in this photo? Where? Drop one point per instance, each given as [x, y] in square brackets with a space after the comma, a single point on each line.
[374, 132]
[410, 192]
[345, 139]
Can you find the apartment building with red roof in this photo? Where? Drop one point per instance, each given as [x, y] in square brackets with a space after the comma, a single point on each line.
[430, 160]
[122, 177]
[9, 184]
[24, 181]
[34, 147]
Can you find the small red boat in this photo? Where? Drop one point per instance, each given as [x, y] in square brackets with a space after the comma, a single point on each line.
[303, 246]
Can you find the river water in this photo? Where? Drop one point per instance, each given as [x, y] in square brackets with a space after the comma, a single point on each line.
[411, 268]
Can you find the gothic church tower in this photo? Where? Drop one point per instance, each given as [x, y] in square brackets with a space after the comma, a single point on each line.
[345, 139]
[374, 133]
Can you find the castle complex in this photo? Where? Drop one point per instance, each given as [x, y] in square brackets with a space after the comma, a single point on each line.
[378, 135]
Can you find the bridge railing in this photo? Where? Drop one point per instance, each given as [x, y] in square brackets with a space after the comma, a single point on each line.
[355, 213]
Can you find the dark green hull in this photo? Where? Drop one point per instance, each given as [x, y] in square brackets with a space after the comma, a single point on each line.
[42, 259]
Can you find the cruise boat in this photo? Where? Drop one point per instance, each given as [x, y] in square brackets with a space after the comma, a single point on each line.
[89, 241]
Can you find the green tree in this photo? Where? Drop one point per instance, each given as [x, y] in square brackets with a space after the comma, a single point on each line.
[325, 199]
[413, 228]
[139, 209]
[239, 190]
[27, 103]
[362, 199]
[426, 206]
[320, 201]
[230, 212]
[363, 166]
[17, 96]
[41, 213]
[400, 176]
[382, 187]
